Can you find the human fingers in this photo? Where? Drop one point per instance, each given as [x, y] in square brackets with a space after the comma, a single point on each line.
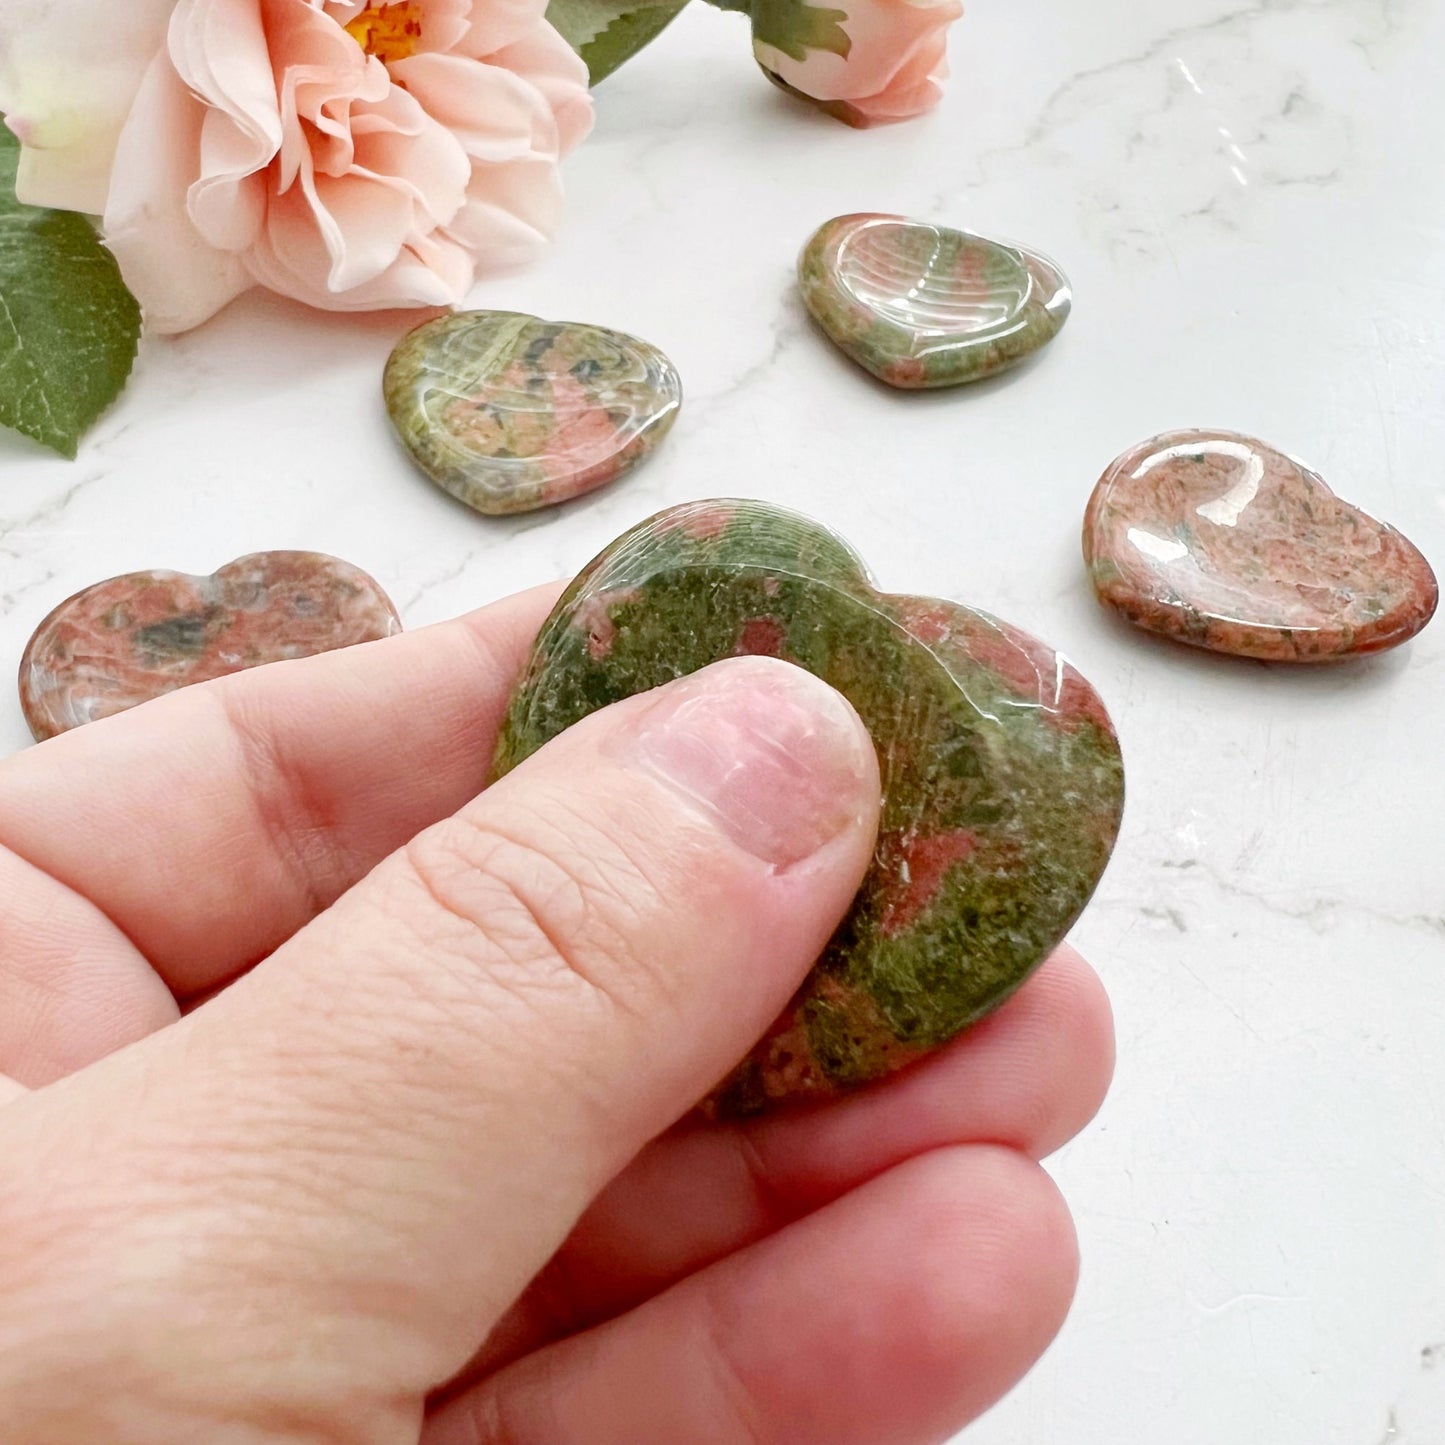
[73, 987]
[1029, 1077]
[258, 799]
[361, 1151]
[893, 1316]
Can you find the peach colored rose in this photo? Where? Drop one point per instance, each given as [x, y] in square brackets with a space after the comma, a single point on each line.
[348, 153]
[875, 61]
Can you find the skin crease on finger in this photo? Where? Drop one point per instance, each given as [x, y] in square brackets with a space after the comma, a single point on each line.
[891, 1317]
[261, 798]
[342, 1150]
[1035, 1070]
[1030, 1077]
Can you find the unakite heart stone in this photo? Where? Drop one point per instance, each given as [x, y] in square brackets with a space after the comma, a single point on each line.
[1002, 781]
[921, 305]
[132, 638]
[1214, 539]
[509, 413]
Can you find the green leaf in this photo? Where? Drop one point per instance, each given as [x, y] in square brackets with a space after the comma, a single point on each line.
[796, 28]
[607, 32]
[68, 326]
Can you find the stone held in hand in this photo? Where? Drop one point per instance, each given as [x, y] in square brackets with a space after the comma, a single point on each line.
[509, 413]
[1002, 779]
[1215, 539]
[922, 305]
[135, 637]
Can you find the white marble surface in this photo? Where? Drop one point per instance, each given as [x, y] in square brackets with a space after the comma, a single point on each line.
[1249, 200]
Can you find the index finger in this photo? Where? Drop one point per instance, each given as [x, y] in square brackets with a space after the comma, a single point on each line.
[212, 823]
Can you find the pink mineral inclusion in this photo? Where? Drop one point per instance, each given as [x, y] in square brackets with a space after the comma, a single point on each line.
[921, 866]
[594, 616]
[703, 522]
[785, 1057]
[132, 638]
[1038, 674]
[761, 637]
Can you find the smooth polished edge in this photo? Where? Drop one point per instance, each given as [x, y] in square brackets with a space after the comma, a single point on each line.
[1126, 587]
[892, 351]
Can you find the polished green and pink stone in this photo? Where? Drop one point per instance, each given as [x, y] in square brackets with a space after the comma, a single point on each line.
[509, 413]
[921, 305]
[133, 638]
[1002, 778]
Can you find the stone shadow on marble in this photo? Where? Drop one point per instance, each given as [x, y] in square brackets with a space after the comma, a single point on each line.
[1377, 669]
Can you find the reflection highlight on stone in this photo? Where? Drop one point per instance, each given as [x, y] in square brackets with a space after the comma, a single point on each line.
[509, 413]
[921, 305]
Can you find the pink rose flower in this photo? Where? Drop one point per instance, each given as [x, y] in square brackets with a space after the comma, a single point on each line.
[883, 60]
[351, 155]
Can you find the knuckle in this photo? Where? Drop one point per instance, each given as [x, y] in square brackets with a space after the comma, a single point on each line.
[291, 818]
[538, 914]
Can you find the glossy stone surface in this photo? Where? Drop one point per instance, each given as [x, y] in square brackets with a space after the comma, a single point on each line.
[509, 413]
[1002, 779]
[1215, 539]
[132, 638]
[921, 305]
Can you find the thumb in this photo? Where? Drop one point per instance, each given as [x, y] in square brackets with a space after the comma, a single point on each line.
[368, 1145]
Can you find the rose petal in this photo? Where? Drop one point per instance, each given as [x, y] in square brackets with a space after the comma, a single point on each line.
[291, 258]
[321, 71]
[917, 88]
[887, 38]
[560, 74]
[69, 70]
[511, 213]
[405, 182]
[178, 277]
[431, 169]
[499, 23]
[367, 222]
[445, 24]
[218, 48]
[495, 114]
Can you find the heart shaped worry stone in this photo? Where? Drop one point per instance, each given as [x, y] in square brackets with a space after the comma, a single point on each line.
[921, 305]
[1215, 539]
[132, 638]
[509, 413]
[1002, 781]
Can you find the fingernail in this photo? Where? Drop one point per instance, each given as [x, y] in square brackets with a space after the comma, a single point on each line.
[774, 756]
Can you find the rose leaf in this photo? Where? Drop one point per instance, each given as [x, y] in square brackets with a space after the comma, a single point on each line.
[607, 32]
[68, 326]
[796, 29]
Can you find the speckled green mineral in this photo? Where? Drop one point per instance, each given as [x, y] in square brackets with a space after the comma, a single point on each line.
[921, 305]
[1002, 780]
[509, 413]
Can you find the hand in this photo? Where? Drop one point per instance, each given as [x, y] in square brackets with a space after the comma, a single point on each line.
[342, 1101]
